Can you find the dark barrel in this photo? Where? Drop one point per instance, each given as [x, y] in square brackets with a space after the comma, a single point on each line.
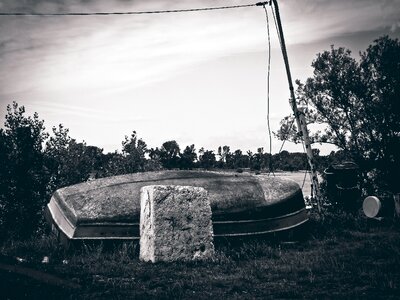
[342, 185]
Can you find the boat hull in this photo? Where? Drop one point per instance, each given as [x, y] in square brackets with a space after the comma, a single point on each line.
[241, 204]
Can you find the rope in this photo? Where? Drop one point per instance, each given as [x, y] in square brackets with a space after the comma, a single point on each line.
[128, 12]
[306, 171]
[268, 93]
[304, 178]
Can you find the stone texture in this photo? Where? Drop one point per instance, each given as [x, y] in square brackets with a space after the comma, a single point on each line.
[175, 223]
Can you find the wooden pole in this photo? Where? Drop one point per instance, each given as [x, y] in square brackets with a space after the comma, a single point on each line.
[299, 114]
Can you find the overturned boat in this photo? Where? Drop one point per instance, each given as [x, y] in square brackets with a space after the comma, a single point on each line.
[241, 204]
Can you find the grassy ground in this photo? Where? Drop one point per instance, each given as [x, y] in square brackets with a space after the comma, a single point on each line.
[340, 258]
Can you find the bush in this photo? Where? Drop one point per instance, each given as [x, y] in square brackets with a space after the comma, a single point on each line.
[23, 176]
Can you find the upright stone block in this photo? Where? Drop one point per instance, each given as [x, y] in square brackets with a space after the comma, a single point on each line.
[175, 223]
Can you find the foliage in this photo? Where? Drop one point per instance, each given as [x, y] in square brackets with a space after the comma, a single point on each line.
[169, 154]
[134, 151]
[240, 160]
[358, 104]
[70, 162]
[207, 159]
[35, 164]
[23, 176]
[188, 158]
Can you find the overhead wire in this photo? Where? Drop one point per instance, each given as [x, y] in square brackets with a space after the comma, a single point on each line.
[128, 12]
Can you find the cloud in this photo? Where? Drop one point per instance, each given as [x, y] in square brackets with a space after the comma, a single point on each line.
[112, 53]
[321, 19]
[108, 70]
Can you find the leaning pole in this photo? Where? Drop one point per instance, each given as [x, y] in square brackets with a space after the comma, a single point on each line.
[299, 114]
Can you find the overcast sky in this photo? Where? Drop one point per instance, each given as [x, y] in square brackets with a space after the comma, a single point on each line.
[198, 78]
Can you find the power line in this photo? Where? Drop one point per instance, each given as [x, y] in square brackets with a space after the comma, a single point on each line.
[129, 12]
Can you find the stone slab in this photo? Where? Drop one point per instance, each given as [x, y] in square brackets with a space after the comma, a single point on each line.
[175, 224]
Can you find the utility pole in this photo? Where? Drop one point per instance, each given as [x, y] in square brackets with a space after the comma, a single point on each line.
[299, 114]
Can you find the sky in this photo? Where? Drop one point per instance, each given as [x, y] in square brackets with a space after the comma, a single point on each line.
[197, 78]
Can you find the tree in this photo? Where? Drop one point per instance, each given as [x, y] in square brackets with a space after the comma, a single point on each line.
[56, 151]
[70, 162]
[240, 160]
[225, 157]
[30, 172]
[134, 151]
[207, 159]
[358, 104]
[23, 177]
[113, 163]
[169, 154]
[257, 160]
[154, 162]
[188, 158]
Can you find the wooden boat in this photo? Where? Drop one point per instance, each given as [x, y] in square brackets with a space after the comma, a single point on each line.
[241, 204]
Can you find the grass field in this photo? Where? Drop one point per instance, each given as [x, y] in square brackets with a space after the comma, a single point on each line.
[340, 257]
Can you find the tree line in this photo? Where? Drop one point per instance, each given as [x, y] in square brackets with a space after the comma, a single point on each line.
[358, 103]
[35, 163]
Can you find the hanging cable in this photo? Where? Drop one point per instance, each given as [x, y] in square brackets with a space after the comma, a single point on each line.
[304, 178]
[268, 88]
[305, 173]
[128, 12]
